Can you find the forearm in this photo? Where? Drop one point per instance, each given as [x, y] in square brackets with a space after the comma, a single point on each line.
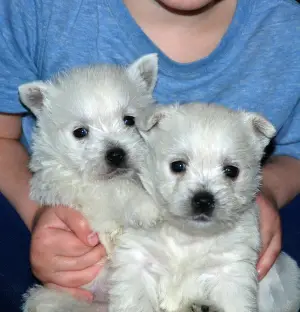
[281, 177]
[14, 178]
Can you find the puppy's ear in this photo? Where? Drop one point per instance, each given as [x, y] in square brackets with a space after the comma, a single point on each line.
[151, 117]
[32, 95]
[262, 128]
[144, 71]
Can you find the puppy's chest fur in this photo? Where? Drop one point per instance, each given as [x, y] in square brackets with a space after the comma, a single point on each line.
[174, 252]
[176, 264]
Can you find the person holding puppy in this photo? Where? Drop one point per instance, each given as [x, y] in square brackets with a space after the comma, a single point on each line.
[240, 53]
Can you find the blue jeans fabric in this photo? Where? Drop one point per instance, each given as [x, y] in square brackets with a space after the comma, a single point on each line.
[15, 274]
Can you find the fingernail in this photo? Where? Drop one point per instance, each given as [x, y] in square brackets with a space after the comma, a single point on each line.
[259, 274]
[90, 298]
[102, 261]
[93, 239]
[258, 271]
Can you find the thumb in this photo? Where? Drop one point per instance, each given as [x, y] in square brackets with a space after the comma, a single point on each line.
[78, 224]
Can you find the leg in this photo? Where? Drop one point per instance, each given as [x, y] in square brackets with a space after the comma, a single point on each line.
[185, 295]
[203, 308]
[237, 291]
[237, 299]
[279, 291]
[230, 292]
[42, 299]
[132, 287]
[15, 273]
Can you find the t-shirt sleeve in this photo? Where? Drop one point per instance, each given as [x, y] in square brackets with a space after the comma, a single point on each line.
[288, 137]
[18, 51]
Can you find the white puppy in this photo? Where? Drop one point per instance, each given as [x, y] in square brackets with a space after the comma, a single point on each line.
[87, 154]
[205, 171]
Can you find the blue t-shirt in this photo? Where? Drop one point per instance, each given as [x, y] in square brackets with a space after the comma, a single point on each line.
[256, 65]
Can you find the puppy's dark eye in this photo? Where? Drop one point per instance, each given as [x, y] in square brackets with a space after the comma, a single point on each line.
[231, 172]
[129, 121]
[80, 133]
[178, 166]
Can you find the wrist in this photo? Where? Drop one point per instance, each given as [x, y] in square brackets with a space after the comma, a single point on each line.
[37, 216]
[267, 192]
[27, 211]
[281, 180]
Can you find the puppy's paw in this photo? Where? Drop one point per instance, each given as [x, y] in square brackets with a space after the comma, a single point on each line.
[148, 219]
[114, 235]
[169, 304]
[110, 239]
[203, 308]
[170, 300]
[42, 299]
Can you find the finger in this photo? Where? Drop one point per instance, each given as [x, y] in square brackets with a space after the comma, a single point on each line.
[266, 233]
[61, 263]
[60, 243]
[269, 257]
[78, 293]
[73, 279]
[266, 239]
[77, 224]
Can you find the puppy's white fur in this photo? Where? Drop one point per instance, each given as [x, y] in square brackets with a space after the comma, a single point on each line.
[75, 171]
[199, 259]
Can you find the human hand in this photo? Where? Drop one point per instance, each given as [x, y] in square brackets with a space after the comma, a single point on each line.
[65, 254]
[270, 229]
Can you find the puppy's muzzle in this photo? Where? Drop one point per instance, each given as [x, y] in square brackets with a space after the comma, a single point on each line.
[203, 204]
[116, 158]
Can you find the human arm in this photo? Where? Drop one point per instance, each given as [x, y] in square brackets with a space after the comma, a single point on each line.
[281, 183]
[281, 179]
[14, 174]
[59, 229]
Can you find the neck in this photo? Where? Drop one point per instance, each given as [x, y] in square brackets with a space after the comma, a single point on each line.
[177, 33]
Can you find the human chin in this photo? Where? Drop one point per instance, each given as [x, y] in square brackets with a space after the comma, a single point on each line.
[185, 5]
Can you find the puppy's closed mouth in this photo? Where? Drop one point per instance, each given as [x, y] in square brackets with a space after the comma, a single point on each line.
[112, 173]
[201, 218]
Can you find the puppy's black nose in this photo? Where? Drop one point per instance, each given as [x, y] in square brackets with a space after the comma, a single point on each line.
[203, 204]
[115, 157]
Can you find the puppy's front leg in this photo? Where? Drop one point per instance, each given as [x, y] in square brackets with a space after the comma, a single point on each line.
[144, 211]
[186, 294]
[237, 300]
[171, 294]
[42, 299]
[230, 292]
[237, 290]
[132, 288]
[129, 293]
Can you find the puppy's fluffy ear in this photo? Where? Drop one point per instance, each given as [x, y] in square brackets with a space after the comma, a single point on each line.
[262, 128]
[149, 118]
[32, 95]
[144, 71]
